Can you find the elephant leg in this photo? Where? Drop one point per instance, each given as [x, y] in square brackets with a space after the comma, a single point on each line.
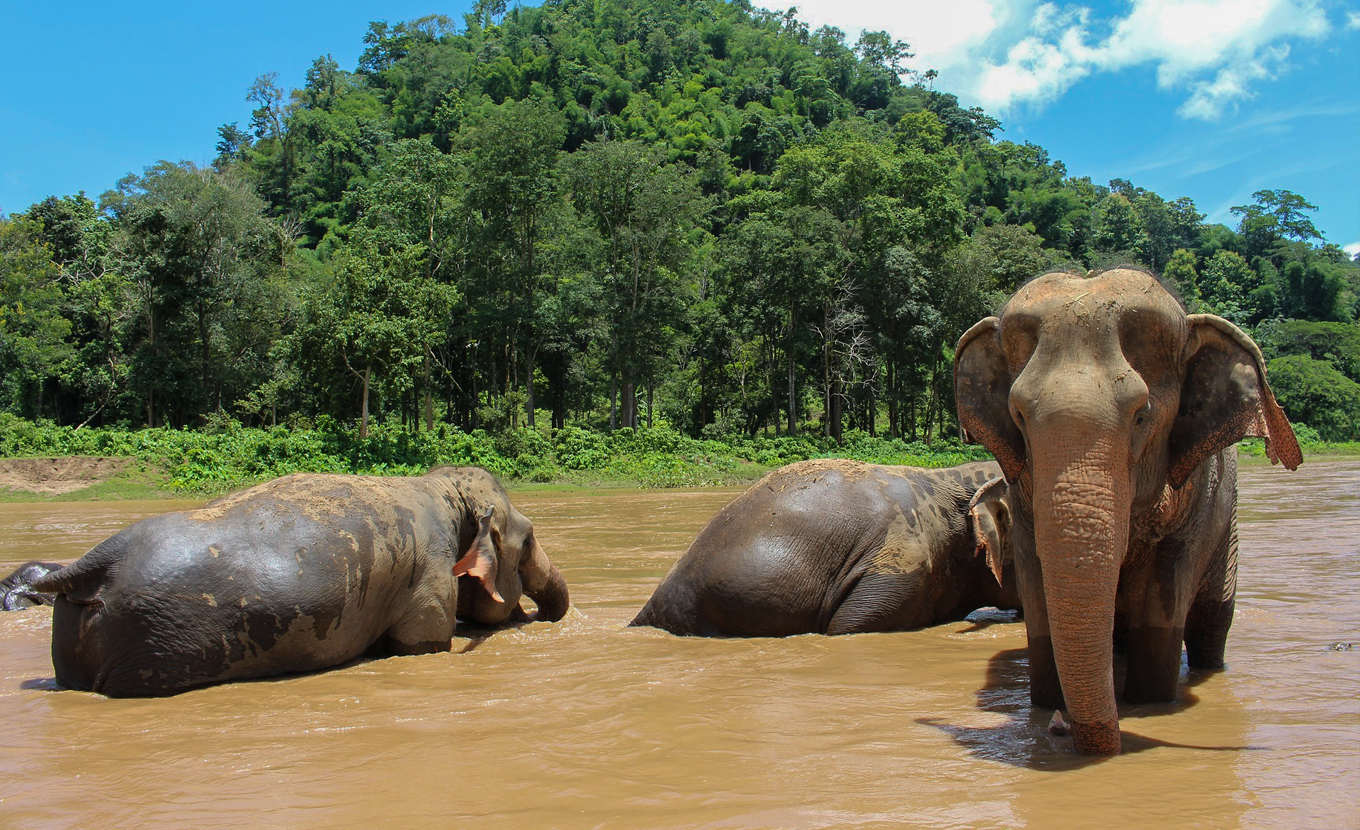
[1211, 615]
[884, 602]
[1158, 595]
[1206, 633]
[428, 630]
[1045, 688]
[1154, 664]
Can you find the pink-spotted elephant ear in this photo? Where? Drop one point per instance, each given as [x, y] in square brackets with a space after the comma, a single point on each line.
[982, 392]
[991, 519]
[481, 558]
[1224, 398]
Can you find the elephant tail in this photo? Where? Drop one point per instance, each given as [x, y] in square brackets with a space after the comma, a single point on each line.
[82, 580]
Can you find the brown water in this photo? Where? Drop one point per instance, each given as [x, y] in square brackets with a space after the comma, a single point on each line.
[588, 724]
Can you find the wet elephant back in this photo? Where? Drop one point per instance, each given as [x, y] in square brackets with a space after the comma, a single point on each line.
[771, 562]
[921, 567]
[297, 575]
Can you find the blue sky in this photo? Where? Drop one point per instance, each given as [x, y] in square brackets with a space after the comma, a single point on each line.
[1211, 99]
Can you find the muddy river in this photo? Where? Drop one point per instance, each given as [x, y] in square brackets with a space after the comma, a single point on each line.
[586, 724]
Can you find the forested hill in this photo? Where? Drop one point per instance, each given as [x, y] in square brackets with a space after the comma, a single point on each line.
[610, 213]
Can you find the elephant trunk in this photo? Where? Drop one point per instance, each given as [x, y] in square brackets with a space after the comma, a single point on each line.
[545, 586]
[552, 598]
[1081, 526]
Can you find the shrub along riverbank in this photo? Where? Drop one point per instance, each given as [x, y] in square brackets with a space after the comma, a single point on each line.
[225, 456]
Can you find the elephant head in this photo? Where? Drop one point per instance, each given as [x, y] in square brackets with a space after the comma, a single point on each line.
[1099, 396]
[506, 561]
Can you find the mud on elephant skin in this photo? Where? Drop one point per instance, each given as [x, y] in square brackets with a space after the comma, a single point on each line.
[16, 590]
[1113, 414]
[838, 547]
[294, 575]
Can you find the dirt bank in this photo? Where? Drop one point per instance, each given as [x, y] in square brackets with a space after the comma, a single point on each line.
[52, 476]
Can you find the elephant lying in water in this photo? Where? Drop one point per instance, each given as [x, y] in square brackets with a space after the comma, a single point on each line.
[840, 547]
[16, 590]
[298, 574]
[1113, 414]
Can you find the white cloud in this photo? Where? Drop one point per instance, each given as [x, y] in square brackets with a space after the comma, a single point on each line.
[1351, 249]
[940, 34]
[1004, 53]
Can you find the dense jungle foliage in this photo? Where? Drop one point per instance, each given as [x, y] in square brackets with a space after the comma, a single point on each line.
[681, 218]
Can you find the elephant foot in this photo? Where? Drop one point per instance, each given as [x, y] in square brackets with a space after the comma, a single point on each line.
[1096, 738]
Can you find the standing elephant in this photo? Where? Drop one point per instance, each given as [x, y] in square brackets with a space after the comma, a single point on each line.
[16, 590]
[840, 547]
[1113, 414]
[298, 574]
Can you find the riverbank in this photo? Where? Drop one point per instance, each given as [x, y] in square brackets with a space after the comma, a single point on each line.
[44, 462]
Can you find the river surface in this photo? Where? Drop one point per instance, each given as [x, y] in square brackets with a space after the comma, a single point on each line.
[588, 724]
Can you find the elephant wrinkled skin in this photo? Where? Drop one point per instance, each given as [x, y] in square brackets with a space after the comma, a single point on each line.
[839, 547]
[1113, 415]
[297, 574]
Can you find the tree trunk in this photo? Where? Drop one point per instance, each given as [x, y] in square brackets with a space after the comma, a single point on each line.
[629, 405]
[871, 414]
[429, 397]
[837, 416]
[894, 406]
[793, 393]
[363, 418]
[530, 355]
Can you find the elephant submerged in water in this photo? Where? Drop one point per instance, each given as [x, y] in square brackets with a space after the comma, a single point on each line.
[1113, 414]
[16, 590]
[294, 575]
[837, 547]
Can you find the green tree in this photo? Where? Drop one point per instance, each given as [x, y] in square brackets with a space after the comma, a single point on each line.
[33, 333]
[378, 320]
[644, 210]
[1274, 215]
[1313, 392]
[512, 172]
[1224, 285]
[1181, 271]
[188, 243]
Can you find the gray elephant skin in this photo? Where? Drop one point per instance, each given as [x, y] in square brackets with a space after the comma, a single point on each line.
[838, 547]
[16, 590]
[1113, 414]
[294, 575]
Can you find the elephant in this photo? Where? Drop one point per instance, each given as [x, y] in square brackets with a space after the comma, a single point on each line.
[1113, 414]
[297, 574]
[831, 546]
[16, 590]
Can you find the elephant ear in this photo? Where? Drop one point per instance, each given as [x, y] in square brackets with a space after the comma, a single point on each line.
[481, 558]
[991, 519]
[1224, 398]
[982, 390]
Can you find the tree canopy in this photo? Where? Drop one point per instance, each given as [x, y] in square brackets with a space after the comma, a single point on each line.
[609, 213]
